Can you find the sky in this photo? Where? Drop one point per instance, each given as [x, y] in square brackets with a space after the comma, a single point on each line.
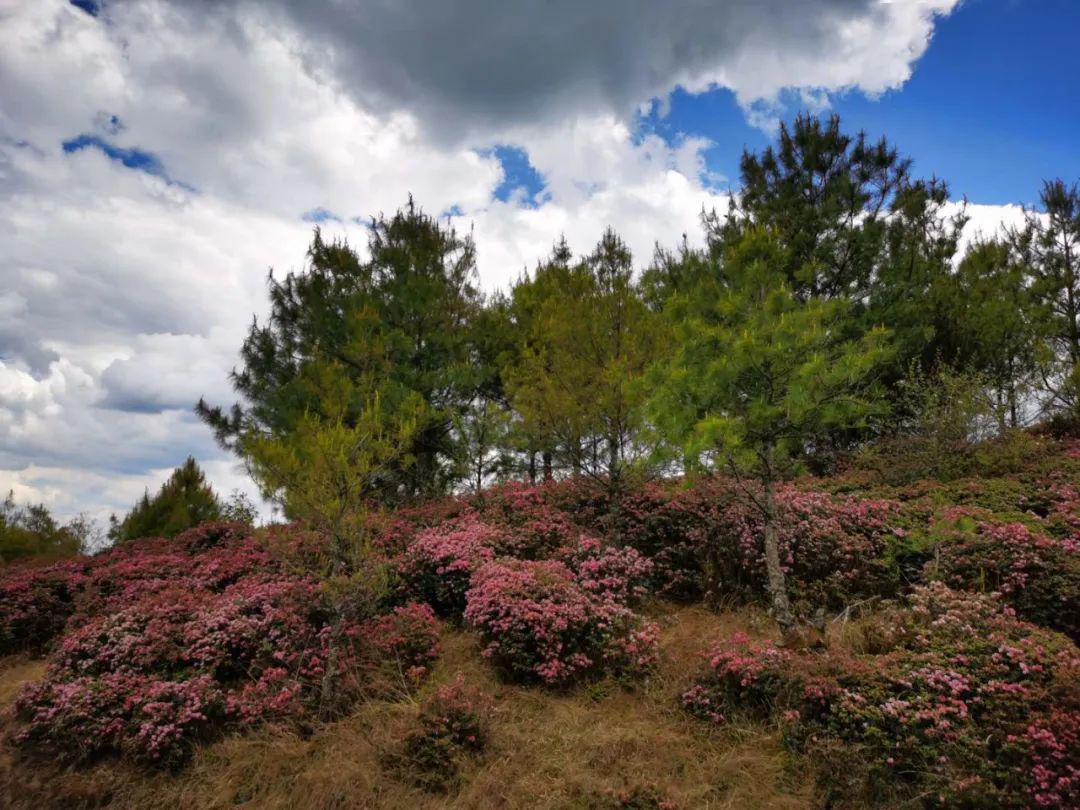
[158, 157]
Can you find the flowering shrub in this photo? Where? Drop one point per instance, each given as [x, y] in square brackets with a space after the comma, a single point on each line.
[532, 528]
[400, 646]
[147, 718]
[609, 572]
[438, 565]
[669, 524]
[150, 680]
[965, 704]
[1037, 574]
[539, 624]
[213, 534]
[832, 549]
[35, 603]
[453, 724]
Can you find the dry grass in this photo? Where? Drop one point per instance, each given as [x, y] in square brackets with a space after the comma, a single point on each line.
[546, 751]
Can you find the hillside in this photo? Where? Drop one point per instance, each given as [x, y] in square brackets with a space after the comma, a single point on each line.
[528, 650]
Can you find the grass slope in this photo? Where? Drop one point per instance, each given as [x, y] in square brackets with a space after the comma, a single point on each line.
[591, 748]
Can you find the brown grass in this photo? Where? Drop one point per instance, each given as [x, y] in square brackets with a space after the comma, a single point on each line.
[546, 751]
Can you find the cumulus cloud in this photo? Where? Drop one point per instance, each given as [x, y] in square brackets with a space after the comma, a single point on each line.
[471, 65]
[157, 158]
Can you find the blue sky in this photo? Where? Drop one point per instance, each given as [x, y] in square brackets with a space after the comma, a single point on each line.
[993, 106]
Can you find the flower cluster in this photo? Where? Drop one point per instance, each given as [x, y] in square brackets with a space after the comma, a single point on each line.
[438, 564]
[616, 573]
[965, 703]
[832, 548]
[1037, 574]
[399, 646]
[165, 646]
[539, 624]
[37, 603]
[533, 528]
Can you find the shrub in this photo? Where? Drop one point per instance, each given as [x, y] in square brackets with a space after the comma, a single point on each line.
[400, 646]
[453, 725]
[669, 524]
[147, 718]
[532, 528]
[539, 624]
[438, 565]
[964, 705]
[213, 534]
[35, 603]
[1036, 574]
[610, 572]
[833, 549]
[152, 679]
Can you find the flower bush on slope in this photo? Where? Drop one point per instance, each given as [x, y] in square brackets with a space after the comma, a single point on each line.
[668, 524]
[963, 705]
[150, 680]
[539, 624]
[438, 565]
[833, 549]
[533, 527]
[618, 574]
[1038, 575]
[36, 603]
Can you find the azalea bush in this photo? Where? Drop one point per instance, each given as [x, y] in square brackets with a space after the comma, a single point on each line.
[615, 573]
[38, 603]
[533, 527]
[668, 523]
[833, 549]
[1037, 574]
[35, 603]
[951, 699]
[399, 647]
[438, 564]
[453, 725]
[152, 679]
[539, 625]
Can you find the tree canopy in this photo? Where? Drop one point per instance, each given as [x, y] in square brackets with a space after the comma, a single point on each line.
[184, 500]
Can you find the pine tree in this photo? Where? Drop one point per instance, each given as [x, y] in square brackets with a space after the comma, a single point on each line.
[407, 313]
[759, 374]
[185, 500]
[587, 338]
[1049, 245]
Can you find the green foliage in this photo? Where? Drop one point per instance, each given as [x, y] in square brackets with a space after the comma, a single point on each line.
[758, 373]
[32, 532]
[401, 322]
[239, 508]
[937, 423]
[184, 501]
[585, 338]
[326, 469]
[1049, 247]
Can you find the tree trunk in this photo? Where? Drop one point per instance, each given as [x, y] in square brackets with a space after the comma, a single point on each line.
[781, 608]
[338, 567]
[548, 473]
[614, 472]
